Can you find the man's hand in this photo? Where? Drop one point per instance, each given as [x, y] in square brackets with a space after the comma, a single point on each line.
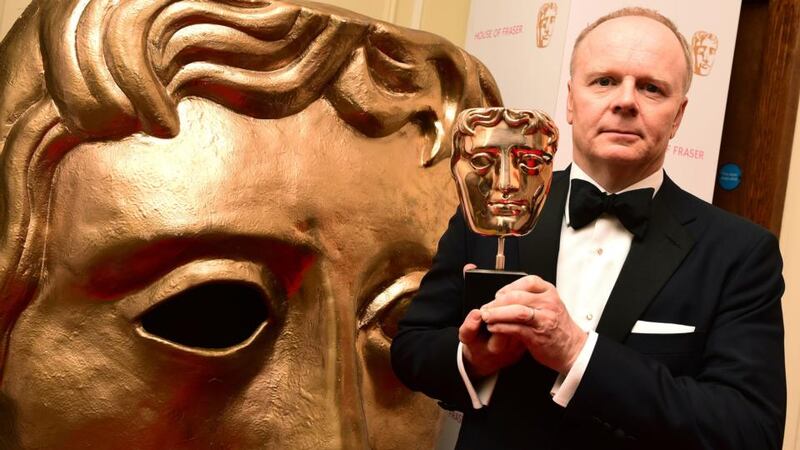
[486, 356]
[482, 356]
[530, 311]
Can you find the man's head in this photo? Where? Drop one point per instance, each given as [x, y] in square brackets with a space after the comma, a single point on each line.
[545, 23]
[630, 72]
[502, 164]
[189, 258]
[704, 50]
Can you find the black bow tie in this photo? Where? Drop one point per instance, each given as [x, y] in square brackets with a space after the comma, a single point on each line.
[632, 208]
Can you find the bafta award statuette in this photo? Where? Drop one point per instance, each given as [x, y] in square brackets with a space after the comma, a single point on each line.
[503, 164]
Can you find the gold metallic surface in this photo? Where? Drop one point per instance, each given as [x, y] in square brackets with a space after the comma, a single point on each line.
[213, 215]
[502, 163]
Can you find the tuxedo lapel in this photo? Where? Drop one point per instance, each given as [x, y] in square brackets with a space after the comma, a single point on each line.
[650, 263]
[539, 250]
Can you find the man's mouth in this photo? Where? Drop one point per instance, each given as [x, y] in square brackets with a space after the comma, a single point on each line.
[621, 131]
[622, 134]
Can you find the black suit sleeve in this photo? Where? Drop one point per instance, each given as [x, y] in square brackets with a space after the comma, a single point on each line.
[737, 398]
[424, 349]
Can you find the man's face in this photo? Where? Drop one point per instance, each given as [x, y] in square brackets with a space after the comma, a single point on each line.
[705, 52]
[546, 25]
[503, 178]
[234, 287]
[626, 97]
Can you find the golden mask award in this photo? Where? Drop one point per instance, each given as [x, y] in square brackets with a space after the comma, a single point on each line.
[502, 163]
[212, 216]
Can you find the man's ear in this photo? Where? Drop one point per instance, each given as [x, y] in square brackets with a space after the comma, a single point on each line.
[678, 117]
[569, 102]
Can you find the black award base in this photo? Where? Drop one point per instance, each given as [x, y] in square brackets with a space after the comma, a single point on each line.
[480, 287]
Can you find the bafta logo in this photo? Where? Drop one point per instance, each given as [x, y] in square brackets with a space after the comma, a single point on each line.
[545, 23]
[704, 51]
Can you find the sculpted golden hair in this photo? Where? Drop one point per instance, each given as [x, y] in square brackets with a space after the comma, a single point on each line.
[531, 121]
[85, 70]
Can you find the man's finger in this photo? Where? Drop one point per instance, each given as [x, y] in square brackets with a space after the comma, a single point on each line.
[529, 283]
[467, 267]
[511, 298]
[500, 344]
[538, 301]
[514, 330]
[508, 313]
[468, 331]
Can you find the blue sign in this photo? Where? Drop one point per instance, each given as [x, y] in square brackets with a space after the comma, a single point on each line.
[730, 176]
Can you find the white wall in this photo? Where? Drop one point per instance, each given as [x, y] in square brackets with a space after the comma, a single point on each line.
[446, 18]
[9, 11]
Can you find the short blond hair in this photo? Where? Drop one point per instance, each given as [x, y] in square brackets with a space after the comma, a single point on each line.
[641, 12]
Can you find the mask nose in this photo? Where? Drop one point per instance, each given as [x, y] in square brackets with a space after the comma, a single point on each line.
[352, 426]
[508, 176]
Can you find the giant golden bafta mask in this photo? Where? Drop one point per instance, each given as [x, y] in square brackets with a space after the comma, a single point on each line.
[503, 164]
[213, 214]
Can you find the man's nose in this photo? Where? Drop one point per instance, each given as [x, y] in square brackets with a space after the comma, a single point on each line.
[625, 102]
[508, 178]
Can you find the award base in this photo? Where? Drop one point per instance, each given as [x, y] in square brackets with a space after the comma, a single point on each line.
[480, 287]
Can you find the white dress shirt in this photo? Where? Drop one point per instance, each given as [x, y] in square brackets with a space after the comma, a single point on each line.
[589, 262]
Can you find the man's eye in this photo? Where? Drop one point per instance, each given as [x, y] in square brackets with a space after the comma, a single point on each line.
[481, 162]
[652, 88]
[604, 81]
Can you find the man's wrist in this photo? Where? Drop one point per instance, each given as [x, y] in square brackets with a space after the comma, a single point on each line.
[576, 347]
[567, 383]
[472, 371]
[480, 391]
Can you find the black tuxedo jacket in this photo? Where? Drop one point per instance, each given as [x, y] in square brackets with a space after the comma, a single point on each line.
[720, 387]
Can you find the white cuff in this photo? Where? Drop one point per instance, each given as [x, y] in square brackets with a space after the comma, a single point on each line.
[483, 394]
[565, 386]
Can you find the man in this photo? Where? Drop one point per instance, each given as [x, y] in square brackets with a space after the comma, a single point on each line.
[212, 215]
[662, 333]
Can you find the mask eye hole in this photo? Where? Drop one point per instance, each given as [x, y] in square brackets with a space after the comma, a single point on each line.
[210, 316]
[389, 306]
[481, 162]
[531, 160]
[389, 319]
